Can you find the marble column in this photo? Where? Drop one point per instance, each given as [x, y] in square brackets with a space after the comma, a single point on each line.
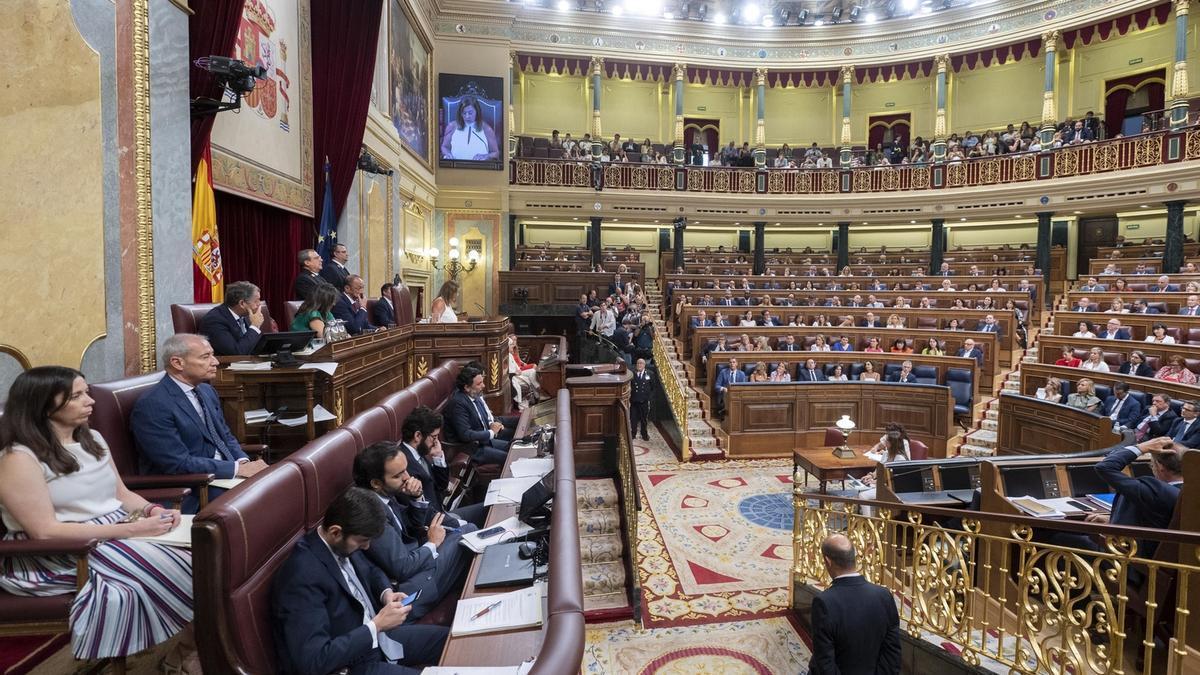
[680, 71]
[843, 245]
[1179, 78]
[679, 225]
[1043, 248]
[939, 121]
[512, 97]
[847, 77]
[760, 248]
[1049, 108]
[937, 244]
[512, 241]
[1173, 253]
[597, 69]
[760, 126]
[594, 241]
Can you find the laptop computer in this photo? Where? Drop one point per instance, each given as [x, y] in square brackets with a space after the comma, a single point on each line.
[501, 565]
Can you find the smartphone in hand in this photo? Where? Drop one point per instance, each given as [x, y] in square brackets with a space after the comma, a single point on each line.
[410, 599]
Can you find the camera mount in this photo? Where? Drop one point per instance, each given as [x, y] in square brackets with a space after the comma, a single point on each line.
[234, 76]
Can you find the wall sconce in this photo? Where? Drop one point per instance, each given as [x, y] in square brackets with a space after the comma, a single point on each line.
[454, 264]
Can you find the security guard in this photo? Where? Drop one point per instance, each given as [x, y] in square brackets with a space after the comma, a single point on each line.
[642, 389]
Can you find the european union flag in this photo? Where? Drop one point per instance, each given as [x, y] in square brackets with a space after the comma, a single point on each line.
[327, 238]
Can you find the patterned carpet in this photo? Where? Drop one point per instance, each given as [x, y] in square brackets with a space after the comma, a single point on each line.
[762, 647]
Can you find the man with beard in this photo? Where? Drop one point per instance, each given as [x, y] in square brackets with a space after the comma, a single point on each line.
[421, 441]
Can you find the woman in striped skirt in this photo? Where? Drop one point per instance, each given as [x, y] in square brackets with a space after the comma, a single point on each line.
[57, 480]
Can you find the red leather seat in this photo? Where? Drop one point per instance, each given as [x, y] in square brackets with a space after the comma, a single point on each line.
[402, 301]
[918, 449]
[398, 406]
[290, 309]
[833, 437]
[327, 464]
[426, 392]
[185, 318]
[370, 427]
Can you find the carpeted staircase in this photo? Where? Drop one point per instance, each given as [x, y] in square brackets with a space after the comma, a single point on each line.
[605, 595]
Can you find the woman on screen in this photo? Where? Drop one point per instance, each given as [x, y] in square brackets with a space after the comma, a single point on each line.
[468, 137]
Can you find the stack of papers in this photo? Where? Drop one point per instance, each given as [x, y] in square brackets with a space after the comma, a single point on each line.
[479, 670]
[259, 416]
[327, 368]
[532, 466]
[505, 611]
[508, 490]
[508, 529]
[226, 483]
[180, 536]
[320, 414]
[1037, 508]
[250, 365]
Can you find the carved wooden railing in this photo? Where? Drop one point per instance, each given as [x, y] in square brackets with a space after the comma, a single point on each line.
[1130, 152]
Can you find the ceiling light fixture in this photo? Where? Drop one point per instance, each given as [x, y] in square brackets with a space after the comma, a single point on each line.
[854, 12]
[836, 15]
[563, 5]
[819, 22]
[870, 17]
[618, 10]
[908, 5]
[751, 12]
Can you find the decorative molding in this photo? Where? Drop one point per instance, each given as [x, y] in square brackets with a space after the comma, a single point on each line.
[147, 329]
[19, 356]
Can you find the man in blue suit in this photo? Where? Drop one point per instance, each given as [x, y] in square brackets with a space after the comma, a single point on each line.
[1142, 501]
[333, 609]
[1114, 331]
[701, 320]
[421, 441]
[384, 314]
[468, 420]
[811, 372]
[419, 557]
[234, 326]
[905, 374]
[731, 375]
[1185, 431]
[178, 425]
[1121, 408]
[351, 306]
[989, 325]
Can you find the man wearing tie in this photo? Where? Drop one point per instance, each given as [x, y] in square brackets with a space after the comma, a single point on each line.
[905, 374]
[870, 321]
[178, 425]
[1093, 285]
[1121, 408]
[731, 375]
[234, 326]
[1192, 307]
[1185, 431]
[1164, 285]
[335, 272]
[384, 314]
[309, 277]
[641, 389]
[989, 325]
[1142, 501]
[945, 270]
[1159, 419]
[469, 420]
[333, 609]
[969, 350]
[789, 344]
[701, 320]
[811, 372]
[351, 307]
[727, 299]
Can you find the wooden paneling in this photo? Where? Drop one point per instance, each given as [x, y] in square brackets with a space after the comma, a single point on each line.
[1034, 375]
[1066, 323]
[1031, 426]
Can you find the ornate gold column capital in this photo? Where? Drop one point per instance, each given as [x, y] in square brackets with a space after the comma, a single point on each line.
[679, 71]
[512, 56]
[1050, 40]
[942, 61]
[760, 77]
[1049, 109]
[1181, 7]
[597, 66]
[847, 74]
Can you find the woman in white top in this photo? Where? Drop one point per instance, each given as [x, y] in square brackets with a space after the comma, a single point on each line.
[819, 345]
[893, 446]
[1085, 331]
[839, 374]
[467, 136]
[1117, 306]
[747, 319]
[442, 308]
[1158, 335]
[781, 374]
[1095, 361]
[57, 481]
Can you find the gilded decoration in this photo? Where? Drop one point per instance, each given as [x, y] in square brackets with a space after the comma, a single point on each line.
[721, 181]
[339, 405]
[919, 177]
[775, 182]
[1192, 147]
[1179, 81]
[422, 366]
[666, 178]
[829, 182]
[553, 173]
[861, 180]
[956, 174]
[581, 175]
[676, 400]
[803, 183]
[1024, 167]
[1148, 151]
[745, 181]
[147, 330]
[1066, 162]
[612, 174]
[525, 172]
[1105, 157]
[639, 177]
[494, 371]
[989, 171]
[695, 181]
[889, 178]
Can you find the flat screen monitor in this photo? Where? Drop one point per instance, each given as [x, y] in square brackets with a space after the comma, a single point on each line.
[1085, 480]
[909, 479]
[533, 501]
[470, 122]
[1020, 481]
[290, 341]
[960, 477]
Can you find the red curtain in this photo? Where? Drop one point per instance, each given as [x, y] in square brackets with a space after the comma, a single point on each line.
[212, 30]
[878, 125]
[344, 38]
[708, 132]
[259, 244]
[1118, 91]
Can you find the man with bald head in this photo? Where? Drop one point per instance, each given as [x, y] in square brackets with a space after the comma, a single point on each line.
[179, 426]
[855, 625]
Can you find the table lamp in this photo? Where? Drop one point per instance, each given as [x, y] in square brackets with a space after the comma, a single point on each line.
[845, 425]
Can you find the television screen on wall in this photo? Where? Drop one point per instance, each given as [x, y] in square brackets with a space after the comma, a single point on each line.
[470, 122]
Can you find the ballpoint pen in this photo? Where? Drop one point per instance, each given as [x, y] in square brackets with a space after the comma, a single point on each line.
[485, 610]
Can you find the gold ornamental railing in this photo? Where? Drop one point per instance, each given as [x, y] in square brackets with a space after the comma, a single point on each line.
[673, 387]
[1009, 603]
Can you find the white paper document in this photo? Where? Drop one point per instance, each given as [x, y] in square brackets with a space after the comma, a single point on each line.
[507, 529]
[226, 483]
[504, 611]
[180, 536]
[258, 416]
[532, 466]
[326, 367]
[250, 365]
[508, 490]
[320, 414]
[479, 670]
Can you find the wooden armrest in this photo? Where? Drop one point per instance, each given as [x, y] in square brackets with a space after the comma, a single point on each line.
[41, 547]
[164, 481]
[257, 450]
[171, 495]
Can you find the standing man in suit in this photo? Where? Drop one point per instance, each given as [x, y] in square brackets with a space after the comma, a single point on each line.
[335, 272]
[811, 372]
[1121, 408]
[1185, 431]
[310, 274]
[731, 375]
[384, 314]
[469, 420]
[641, 390]
[1159, 419]
[855, 625]
[1114, 331]
[234, 326]
[351, 306]
[333, 609]
[179, 426]
[417, 556]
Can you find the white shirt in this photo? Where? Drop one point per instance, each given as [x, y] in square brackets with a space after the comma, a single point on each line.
[392, 514]
[368, 621]
[1166, 340]
[1099, 367]
[76, 497]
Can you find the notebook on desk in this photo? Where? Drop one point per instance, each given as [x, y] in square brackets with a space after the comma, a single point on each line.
[502, 566]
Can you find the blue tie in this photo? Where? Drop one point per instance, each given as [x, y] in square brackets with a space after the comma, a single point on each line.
[210, 426]
[483, 416]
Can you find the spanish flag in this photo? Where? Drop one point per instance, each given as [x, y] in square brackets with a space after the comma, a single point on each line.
[208, 283]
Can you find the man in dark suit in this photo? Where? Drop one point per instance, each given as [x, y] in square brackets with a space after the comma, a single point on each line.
[788, 345]
[905, 374]
[641, 390]
[418, 557]
[1158, 420]
[179, 426]
[726, 377]
[351, 306]
[727, 300]
[870, 321]
[335, 272]
[1121, 408]
[1144, 501]
[1136, 365]
[989, 325]
[421, 439]
[811, 372]
[855, 625]
[1093, 286]
[234, 326]
[971, 350]
[384, 314]
[310, 274]
[617, 287]
[1191, 307]
[468, 420]
[701, 320]
[1114, 331]
[333, 609]
[1185, 431]
[1140, 306]
[1164, 285]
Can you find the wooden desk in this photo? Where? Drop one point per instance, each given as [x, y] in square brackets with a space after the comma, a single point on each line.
[826, 466]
